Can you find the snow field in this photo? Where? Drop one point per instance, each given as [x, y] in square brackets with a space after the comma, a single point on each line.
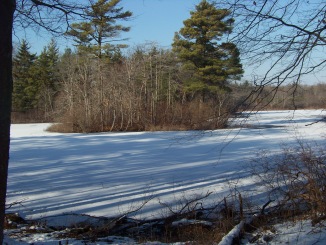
[108, 174]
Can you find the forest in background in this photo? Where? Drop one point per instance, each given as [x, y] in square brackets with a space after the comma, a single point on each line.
[141, 90]
[98, 86]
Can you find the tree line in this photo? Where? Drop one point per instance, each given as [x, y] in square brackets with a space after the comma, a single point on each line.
[141, 90]
[144, 88]
[98, 87]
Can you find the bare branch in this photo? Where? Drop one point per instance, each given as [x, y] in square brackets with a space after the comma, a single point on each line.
[52, 15]
[283, 41]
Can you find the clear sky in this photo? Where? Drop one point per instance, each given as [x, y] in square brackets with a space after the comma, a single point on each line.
[152, 21]
[157, 20]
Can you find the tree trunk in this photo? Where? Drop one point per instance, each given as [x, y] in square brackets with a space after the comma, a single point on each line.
[7, 8]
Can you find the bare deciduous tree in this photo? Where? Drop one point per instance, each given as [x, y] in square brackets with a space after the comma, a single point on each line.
[52, 15]
[284, 39]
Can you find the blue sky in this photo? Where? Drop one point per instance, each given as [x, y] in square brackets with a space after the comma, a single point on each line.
[157, 20]
[152, 21]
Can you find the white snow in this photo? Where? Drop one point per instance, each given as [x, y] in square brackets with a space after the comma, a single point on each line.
[300, 232]
[235, 232]
[108, 174]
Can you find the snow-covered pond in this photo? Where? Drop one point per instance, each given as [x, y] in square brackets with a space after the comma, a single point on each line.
[108, 174]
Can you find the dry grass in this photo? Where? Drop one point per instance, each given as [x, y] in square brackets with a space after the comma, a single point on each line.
[295, 179]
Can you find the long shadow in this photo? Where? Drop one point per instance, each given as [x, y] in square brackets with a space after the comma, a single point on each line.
[97, 173]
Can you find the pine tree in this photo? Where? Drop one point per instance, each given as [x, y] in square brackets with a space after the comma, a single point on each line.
[102, 27]
[210, 62]
[47, 76]
[53, 60]
[95, 37]
[24, 85]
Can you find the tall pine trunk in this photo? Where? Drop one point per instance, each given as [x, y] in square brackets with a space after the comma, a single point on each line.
[7, 8]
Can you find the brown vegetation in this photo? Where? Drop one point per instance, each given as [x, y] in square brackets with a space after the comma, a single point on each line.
[187, 221]
[296, 179]
[143, 91]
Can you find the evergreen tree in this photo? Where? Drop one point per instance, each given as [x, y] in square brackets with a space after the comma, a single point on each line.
[53, 57]
[210, 62]
[95, 34]
[47, 76]
[24, 84]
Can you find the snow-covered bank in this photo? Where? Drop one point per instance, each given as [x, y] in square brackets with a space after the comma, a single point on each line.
[108, 174]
